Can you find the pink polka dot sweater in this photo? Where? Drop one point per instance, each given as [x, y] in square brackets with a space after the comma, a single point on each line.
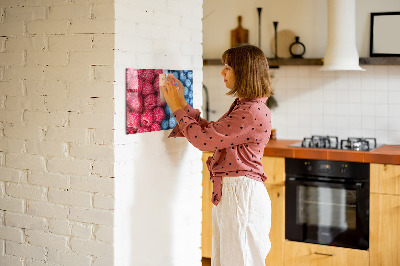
[238, 139]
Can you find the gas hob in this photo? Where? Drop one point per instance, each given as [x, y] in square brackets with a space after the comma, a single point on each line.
[332, 142]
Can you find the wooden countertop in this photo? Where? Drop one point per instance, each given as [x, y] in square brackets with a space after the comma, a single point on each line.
[389, 154]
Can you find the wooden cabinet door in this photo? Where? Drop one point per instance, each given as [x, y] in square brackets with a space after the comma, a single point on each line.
[206, 226]
[385, 178]
[277, 233]
[274, 168]
[304, 254]
[384, 236]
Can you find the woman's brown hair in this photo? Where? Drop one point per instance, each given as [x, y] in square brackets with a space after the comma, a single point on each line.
[250, 66]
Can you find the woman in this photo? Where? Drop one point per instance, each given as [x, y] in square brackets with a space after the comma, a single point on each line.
[242, 211]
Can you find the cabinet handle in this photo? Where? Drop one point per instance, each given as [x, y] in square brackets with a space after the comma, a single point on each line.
[324, 254]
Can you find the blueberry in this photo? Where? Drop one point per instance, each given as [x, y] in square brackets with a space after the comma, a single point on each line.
[186, 91]
[172, 122]
[182, 77]
[168, 111]
[190, 102]
[164, 124]
[189, 74]
[187, 83]
[176, 73]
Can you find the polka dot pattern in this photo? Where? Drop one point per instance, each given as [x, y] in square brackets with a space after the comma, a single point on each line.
[238, 139]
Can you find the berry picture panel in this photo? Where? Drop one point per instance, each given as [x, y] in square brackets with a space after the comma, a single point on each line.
[146, 110]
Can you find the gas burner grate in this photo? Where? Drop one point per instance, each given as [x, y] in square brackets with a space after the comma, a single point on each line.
[358, 144]
[332, 142]
[327, 142]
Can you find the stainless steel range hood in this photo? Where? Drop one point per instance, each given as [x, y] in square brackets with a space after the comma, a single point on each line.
[341, 51]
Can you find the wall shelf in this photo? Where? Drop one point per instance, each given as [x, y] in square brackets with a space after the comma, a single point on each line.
[274, 63]
[380, 61]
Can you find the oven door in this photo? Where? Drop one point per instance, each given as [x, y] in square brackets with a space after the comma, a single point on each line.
[327, 213]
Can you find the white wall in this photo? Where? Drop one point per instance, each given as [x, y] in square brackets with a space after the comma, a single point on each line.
[313, 102]
[305, 18]
[158, 180]
[344, 103]
[56, 132]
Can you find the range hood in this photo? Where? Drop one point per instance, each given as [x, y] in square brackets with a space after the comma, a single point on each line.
[341, 51]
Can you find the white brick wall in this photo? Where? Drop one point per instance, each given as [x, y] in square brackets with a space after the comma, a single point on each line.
[62, 138]
[56, 132]
[157, 188]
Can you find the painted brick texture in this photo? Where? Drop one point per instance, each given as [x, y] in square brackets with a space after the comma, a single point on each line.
[56, 132]
[157, 179]
[62, 135]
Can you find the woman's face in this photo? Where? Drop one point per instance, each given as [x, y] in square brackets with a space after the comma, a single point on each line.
[229, 76]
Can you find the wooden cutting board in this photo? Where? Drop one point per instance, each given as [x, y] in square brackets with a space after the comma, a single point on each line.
[239, 35]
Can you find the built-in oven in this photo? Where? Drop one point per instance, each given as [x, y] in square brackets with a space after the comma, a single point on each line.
[327, 202]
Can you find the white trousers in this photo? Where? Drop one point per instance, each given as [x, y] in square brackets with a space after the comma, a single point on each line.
[241, 223]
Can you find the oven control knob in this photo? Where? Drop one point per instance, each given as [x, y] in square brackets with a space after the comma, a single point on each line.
[308, 166]
[343, 168]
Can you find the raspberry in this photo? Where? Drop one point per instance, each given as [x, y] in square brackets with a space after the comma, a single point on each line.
[147, 119]
[155, 127]
[159, 102]
[130, 130]
[158, 71]
[147, 74]
[158, 114]
[146, 88]
[133, 85]
[150, 102]
[132, 79]
[156, 84]
[135, 103]
[143, 130]
[133, 120]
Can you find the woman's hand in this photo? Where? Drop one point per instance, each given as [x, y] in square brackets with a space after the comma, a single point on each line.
[181, 91]
[174, 94]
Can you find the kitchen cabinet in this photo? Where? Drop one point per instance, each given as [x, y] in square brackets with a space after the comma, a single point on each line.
[385, 178]
[206, 226]
[384, 248]
[305, 254]
[385, 214]
[274, 168]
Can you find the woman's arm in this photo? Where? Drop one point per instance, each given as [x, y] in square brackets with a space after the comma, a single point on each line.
[175, 97]
[235, 129]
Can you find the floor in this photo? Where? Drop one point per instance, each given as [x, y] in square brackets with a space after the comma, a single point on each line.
[206, 261]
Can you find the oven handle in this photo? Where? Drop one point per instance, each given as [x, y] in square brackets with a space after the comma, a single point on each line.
[357, 185]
